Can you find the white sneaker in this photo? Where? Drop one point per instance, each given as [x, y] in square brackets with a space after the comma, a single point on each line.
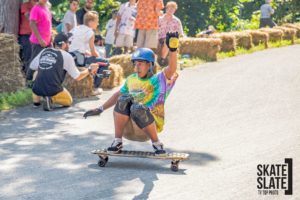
[97, 91]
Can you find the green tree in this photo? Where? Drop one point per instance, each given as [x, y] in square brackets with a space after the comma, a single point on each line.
[197, 15]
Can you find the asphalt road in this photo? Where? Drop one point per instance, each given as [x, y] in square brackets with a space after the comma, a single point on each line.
[230, 116]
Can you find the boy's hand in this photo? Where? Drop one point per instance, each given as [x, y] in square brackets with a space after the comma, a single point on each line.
[93, 68]
[96, 111]
[172, 41]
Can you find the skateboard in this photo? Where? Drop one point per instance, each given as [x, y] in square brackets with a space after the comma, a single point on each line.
[174, 157]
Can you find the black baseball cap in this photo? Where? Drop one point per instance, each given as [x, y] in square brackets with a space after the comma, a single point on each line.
[62, 37]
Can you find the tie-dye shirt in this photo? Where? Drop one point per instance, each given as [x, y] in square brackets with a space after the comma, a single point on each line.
[151, 92]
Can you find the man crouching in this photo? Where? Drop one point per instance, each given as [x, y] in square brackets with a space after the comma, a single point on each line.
[51, 65]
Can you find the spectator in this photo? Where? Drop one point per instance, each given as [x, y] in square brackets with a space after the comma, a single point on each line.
[265, 15]
[69, 21]
[168, 23]
[206, 33]
[52, 65]
[148, 12]
[110, 33]
[83, 36]
[25, 32]
[88, 6]
[125, 32]
[40, 23]
[99, 45]
[83, 41]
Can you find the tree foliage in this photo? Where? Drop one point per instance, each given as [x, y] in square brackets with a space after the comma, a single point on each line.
[197, 15]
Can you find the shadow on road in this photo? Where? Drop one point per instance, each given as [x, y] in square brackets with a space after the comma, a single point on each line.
[146, 170]
[38, 161]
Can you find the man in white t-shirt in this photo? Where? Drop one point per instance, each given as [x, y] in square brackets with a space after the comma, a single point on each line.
[110, 33]
[69, 21]
[125, 31]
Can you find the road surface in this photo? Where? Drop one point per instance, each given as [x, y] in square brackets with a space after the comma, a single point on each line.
[230, 116]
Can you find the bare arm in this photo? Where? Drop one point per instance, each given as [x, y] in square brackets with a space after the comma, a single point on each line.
[117, 25]
[171, 69]
[109, 103]
[34, 29]
[92, 47]
[112, 100]
[83, 74]
[158, 7]
[69, 27]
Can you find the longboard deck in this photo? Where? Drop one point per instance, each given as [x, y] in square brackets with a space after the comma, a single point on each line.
[143, 154]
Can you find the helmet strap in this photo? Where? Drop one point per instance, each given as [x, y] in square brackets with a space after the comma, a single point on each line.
[150, 71]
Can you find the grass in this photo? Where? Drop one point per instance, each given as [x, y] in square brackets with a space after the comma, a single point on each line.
[189, 62]
[13, 100]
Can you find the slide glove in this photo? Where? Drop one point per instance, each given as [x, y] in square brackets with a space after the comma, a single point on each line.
[172, 41]
[96, 111]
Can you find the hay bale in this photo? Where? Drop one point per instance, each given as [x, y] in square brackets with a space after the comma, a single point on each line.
[259, 37]
[116, 77]
[288, 33]
[274, 34]
[206, 48]
[79, 89]
[11, 76]
[228, 41]
[294, 26]
[125, 62]
[243, 39]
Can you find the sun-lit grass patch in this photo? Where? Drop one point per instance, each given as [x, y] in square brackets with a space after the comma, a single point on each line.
[12, 100]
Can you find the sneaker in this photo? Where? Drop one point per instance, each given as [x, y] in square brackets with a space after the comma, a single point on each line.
[158, 148]
[97, 91]
[36, 104]
[116, 147]
[47, 104]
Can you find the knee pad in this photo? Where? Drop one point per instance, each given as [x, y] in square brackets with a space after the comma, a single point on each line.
[123, 104]
[141, 115]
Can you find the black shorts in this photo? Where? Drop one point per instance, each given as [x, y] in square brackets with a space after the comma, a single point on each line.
[139, 113]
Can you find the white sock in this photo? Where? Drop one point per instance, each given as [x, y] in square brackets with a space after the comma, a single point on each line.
[158, 143]
[118, 140]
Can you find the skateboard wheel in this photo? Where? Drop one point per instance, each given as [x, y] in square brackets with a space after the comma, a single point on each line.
[174, 166]
[102, 162]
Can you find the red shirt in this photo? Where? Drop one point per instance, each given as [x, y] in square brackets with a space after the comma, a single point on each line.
[24, 28]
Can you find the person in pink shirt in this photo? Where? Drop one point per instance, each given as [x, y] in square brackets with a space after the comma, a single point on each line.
[40, 23]
[168, 23]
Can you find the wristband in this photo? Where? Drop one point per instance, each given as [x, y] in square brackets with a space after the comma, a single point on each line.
[101, 108]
